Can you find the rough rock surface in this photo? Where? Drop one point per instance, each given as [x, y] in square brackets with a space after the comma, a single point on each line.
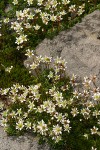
[26, 142]
[79, 46]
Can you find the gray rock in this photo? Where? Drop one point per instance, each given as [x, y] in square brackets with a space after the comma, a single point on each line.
[26, 142]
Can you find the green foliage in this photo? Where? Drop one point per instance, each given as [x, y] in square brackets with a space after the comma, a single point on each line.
[17, 75]
[55, 107]
[11, 56]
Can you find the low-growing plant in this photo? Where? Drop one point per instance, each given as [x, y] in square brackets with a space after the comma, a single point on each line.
[41, 17]
[11, 27]
[61, 110]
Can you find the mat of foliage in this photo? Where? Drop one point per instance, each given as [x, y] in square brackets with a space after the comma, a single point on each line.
[60, 110]
[10, 55]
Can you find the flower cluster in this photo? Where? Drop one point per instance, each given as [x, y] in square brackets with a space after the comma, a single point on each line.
[46, 62]
[7, 69]
[41, 15]
[54, 109]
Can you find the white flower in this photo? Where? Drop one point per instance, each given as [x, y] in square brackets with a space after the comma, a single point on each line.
[40, 109]
[67, 128]
[52, 91]
[22, 98]
[57, 138]
[17, 86]
[63, 12]
[57, 77]
[1, 105]
[30, 2]
[37, 96]
[57, 70]
[80, 11]
[20, 124]
[27, 26]
[6, 20]
[25, 115]
[87, 82]
[46, 104]
[58, 96]
[89, 104]
[19, 112]
[42, 127]
[29, 53]
[76, 94]
[37, 27]
[72, 8]
[35, 92]
[47, 59]
[8, 69]
[60, 63]
[34, 89]
[34, 65]
[93, 148]
[99, 121]
[15, 2]
[65, 2]
[13, 114]
[50, 75]
[51, 109]
[64, 103]
[22, 38]
[5, 113]
[37, 11]
[53, 18]
[31, 16]
[86, 112]
[13, 90]
[73, 80]
[59, 117]
[74, 112]
[57, 130]
[40, 2]
[19, 47]
[39, 58]
[4, 91]
[96, 113]
[94, 130]
[86, 136]
[96, 96]
[4, 122]
[45, 18]
[54, 3]
[28, 125]
[31, 106]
